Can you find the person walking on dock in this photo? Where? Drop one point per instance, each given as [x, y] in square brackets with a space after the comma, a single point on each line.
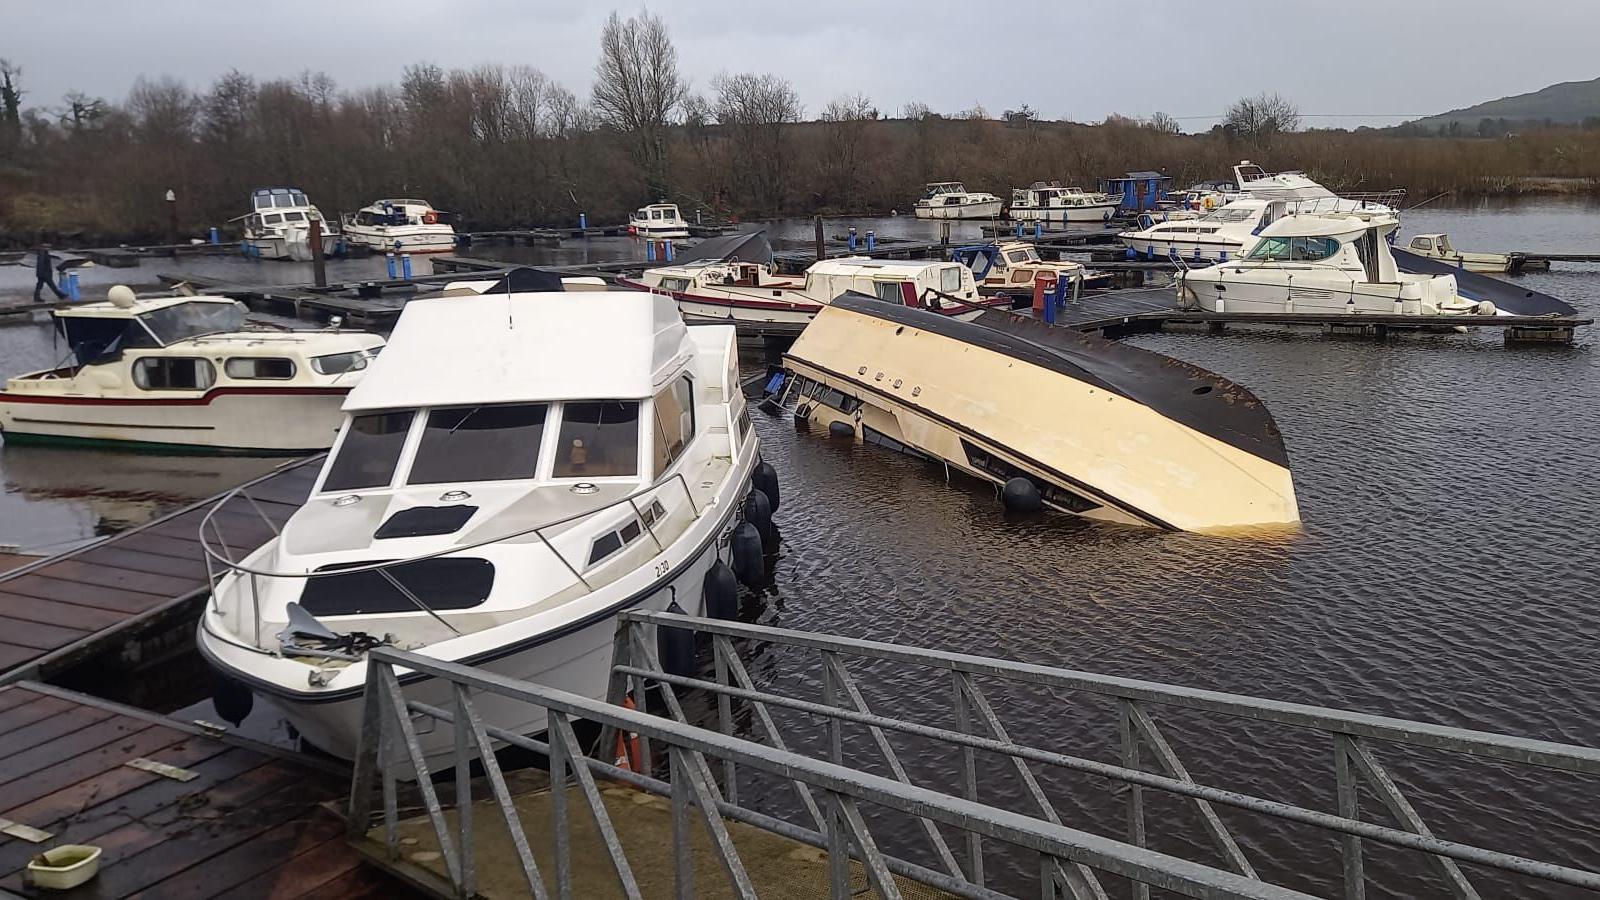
[44, 273]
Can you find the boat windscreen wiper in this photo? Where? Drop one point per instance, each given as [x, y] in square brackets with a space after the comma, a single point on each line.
[454, 428]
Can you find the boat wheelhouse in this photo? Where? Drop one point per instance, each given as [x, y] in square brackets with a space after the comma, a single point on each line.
[1050, 203]
[184, 372]
[519, 467]
[952, 200]
[278, 225]
[658, 220]
[1088, 426]
[401, 226]
[1316, 264]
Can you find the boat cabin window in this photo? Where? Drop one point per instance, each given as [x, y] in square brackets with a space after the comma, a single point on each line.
[370, 449]
[1300, 249]
[888, 291]
[189, 320]
[273, 219]
[598, 439]
[950, 279]
[479, 443]
[674, 422]
[1018, 256]
[1422, 243]
[339, 363]
[173, 373]
[264, 367]
[675, 285]
[294, 216]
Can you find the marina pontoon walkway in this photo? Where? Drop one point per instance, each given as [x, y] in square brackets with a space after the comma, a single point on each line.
[176, 813]
[104, 596]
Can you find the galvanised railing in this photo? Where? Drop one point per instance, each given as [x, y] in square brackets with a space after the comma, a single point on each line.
[840, 803]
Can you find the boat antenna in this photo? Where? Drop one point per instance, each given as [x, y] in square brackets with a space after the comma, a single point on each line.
[511, 323]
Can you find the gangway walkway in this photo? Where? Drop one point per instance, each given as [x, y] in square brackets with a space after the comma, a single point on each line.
[916, 806]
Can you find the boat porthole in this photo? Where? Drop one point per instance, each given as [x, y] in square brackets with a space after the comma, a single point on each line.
[878, 377]
[898, 382]
[916, 391]
[862, 370]
[899, 330]
[1203, 389]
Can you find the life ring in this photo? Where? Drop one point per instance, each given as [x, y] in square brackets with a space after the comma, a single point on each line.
[430, 218]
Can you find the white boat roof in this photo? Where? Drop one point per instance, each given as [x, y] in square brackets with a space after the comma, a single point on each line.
[854, 265]
[525, 347]
[1318, 225]
[108, 310]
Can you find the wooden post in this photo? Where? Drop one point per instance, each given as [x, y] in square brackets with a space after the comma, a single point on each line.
[319, 268]
[172, 218]
[822, 251]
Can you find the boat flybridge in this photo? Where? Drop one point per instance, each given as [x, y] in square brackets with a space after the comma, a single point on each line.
[279, 225]
[658, 220]
[952, 200]
[1050, 203]
[517, 468]
[745, 292]
[1083, 425]
[1316, 263]
[403, 226]
[1308, 196]
[185, 372]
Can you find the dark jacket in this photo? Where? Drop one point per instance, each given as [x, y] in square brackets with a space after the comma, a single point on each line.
[41, 265]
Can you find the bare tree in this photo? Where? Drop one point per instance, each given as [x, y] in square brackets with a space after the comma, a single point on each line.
[1163, 123]
[637, 89]
[754, 109]
[916, 111]
[1260, 118]
[844, 134]
[10, 97]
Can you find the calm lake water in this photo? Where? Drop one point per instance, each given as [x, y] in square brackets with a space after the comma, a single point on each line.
[1447, 568]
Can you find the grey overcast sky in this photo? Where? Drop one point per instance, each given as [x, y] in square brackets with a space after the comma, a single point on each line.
[1346, 63]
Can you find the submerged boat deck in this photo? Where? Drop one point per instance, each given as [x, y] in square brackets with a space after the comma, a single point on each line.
[176, 812]
[122, 596]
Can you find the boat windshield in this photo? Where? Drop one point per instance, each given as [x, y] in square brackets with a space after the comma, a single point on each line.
[369, 451]
[598, 439]
[189, 320]
[1024, 255]
[1298, 249]
[479, 443]
[1230, 214]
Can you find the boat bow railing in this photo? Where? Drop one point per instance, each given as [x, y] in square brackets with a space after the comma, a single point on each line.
[222, 560]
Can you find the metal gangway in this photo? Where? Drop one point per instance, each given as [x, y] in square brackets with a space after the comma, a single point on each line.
[910, 806]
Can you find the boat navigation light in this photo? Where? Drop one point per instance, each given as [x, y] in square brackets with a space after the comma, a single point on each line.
[454, 496]
[347, 500]
[584, 487]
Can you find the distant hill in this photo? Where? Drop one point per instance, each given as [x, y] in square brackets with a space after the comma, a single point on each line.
[1568, 103]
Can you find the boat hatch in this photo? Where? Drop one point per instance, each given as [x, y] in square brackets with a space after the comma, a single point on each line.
[424, 520]
[444, 583]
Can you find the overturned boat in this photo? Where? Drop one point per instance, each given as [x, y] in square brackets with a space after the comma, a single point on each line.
[1099, 429]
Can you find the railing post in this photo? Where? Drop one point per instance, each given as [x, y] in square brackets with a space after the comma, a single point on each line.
[1130, 760]
[719, 646]
[1355, 880]
[359, 817]
[560, 824]
[682, 840]
[969, 774]
[838, 848]
[830, 697]
[461, 728]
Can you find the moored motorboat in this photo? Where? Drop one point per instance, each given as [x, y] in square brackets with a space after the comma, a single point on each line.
[952, 200]
[279, 226]
[1438, 247]
[658, 220]
[1012, 268]
[1217, 236]
[518, 468]
[1052, 204]
[184, 372]
[403, 226]
[1306, 195]
[1315, 264]
[1083, 425]
[744, 292]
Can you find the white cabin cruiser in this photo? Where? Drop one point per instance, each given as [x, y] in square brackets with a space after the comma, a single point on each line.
[1317, 264]
[403, 226]
[1052, 204]
[744, 292]
[184, 372]
[1437, 246]
[1217, 236]
[658, 220]
[952, 200]
[1307, 196]
[527, 464]
[279, 225]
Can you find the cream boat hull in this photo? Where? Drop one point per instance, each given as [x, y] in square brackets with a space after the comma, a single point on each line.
[983, 209]
[403, 238]
[1001, 403]
[276, 420]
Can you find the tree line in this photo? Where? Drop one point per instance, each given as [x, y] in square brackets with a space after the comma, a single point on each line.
[505, 146]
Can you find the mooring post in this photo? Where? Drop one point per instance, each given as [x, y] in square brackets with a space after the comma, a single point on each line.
[822, 251]
[666, 249]
[405, 266]
[388, 260]
[649, 250]
[583, 221]
[1019, 229]
[319, 269]
[872, 241]
[214, 237]
[852, 239]
[944, 234]
[172, 217]
[1038, 230]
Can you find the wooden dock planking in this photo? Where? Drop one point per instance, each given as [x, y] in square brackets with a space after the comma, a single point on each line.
[85, 601]
[251, 824]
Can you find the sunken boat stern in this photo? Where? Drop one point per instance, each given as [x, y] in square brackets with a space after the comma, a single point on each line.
[1103, 430]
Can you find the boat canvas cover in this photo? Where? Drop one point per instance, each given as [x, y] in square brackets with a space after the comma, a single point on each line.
[1507, 297]
[524, 347]
[1180, 391]
[749, 247]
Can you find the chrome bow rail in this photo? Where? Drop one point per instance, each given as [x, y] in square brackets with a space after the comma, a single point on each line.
[225, 561]
[839, 803]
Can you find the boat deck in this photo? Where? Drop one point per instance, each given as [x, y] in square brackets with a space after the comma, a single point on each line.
[117, 595]
[231, 819]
